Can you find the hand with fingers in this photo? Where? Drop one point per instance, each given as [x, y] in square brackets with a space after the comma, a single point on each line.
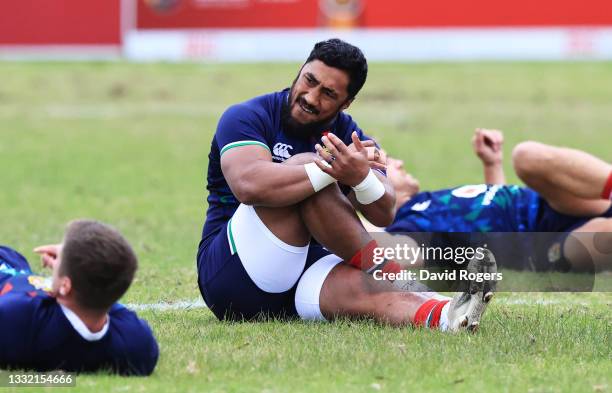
[375, 155]
[49, 254]
[487, 145]
[349, 166]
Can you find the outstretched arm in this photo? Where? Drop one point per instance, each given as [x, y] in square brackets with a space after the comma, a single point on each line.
[488, 146]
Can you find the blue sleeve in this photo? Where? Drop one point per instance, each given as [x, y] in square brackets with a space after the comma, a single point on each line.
[13, 259]
[137, 343]
[241, 125]
[15, 326]
[146, 356]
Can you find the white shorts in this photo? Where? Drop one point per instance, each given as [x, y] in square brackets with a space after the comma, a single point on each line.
[277, 267]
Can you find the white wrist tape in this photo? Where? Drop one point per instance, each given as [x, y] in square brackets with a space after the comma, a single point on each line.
[369, 190]
[318, 178]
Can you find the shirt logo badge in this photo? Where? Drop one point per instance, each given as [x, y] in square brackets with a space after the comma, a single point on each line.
[280, 152]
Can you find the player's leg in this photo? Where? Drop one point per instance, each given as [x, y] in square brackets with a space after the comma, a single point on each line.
[327, 216]
[349, 292]
[573, 182]
[589, 247]
[252, 265]
[331, 219]
[330, 289]
[574, 171]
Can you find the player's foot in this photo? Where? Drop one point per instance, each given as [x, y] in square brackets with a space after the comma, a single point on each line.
[468, 305]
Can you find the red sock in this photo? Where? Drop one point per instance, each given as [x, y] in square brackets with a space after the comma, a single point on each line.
[436, 313]
[607, 191]
[364, 260]
[428, 315]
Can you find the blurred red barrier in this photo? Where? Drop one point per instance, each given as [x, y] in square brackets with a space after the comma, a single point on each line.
[486, 13]
[227, 13]
[60, 22]
[373, 13]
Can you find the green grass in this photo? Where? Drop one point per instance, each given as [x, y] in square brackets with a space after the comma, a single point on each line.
[128, 144]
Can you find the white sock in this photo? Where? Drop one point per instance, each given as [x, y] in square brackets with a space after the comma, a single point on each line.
[444, 318]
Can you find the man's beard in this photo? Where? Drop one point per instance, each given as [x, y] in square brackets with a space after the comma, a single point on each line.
[295, 129]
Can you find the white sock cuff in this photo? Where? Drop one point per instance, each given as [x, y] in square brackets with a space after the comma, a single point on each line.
[443, 325]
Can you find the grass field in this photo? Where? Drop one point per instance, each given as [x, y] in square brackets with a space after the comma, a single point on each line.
[128, 144]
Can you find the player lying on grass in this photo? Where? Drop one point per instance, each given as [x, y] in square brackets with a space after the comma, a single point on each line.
[569, 193]
[71, 321]
[282, 219]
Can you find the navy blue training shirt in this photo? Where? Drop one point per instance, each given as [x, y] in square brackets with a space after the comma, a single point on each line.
[470, 208]
[36, 334]
[257, 122]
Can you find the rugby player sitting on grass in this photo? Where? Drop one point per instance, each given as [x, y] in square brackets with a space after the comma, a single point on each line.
[287, 172]
[71, 321]
[570, 194]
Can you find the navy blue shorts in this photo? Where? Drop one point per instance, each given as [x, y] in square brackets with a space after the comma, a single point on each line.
[550, 220]
[229, 291]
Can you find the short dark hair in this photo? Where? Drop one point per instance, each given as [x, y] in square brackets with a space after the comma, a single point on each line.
[99, 261]
[342, 55]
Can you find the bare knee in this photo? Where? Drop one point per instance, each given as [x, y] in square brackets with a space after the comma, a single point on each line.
[590, 246]
[602, 224]
[323, 198]
[317, 198]
[596, 225]
[529, 158]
